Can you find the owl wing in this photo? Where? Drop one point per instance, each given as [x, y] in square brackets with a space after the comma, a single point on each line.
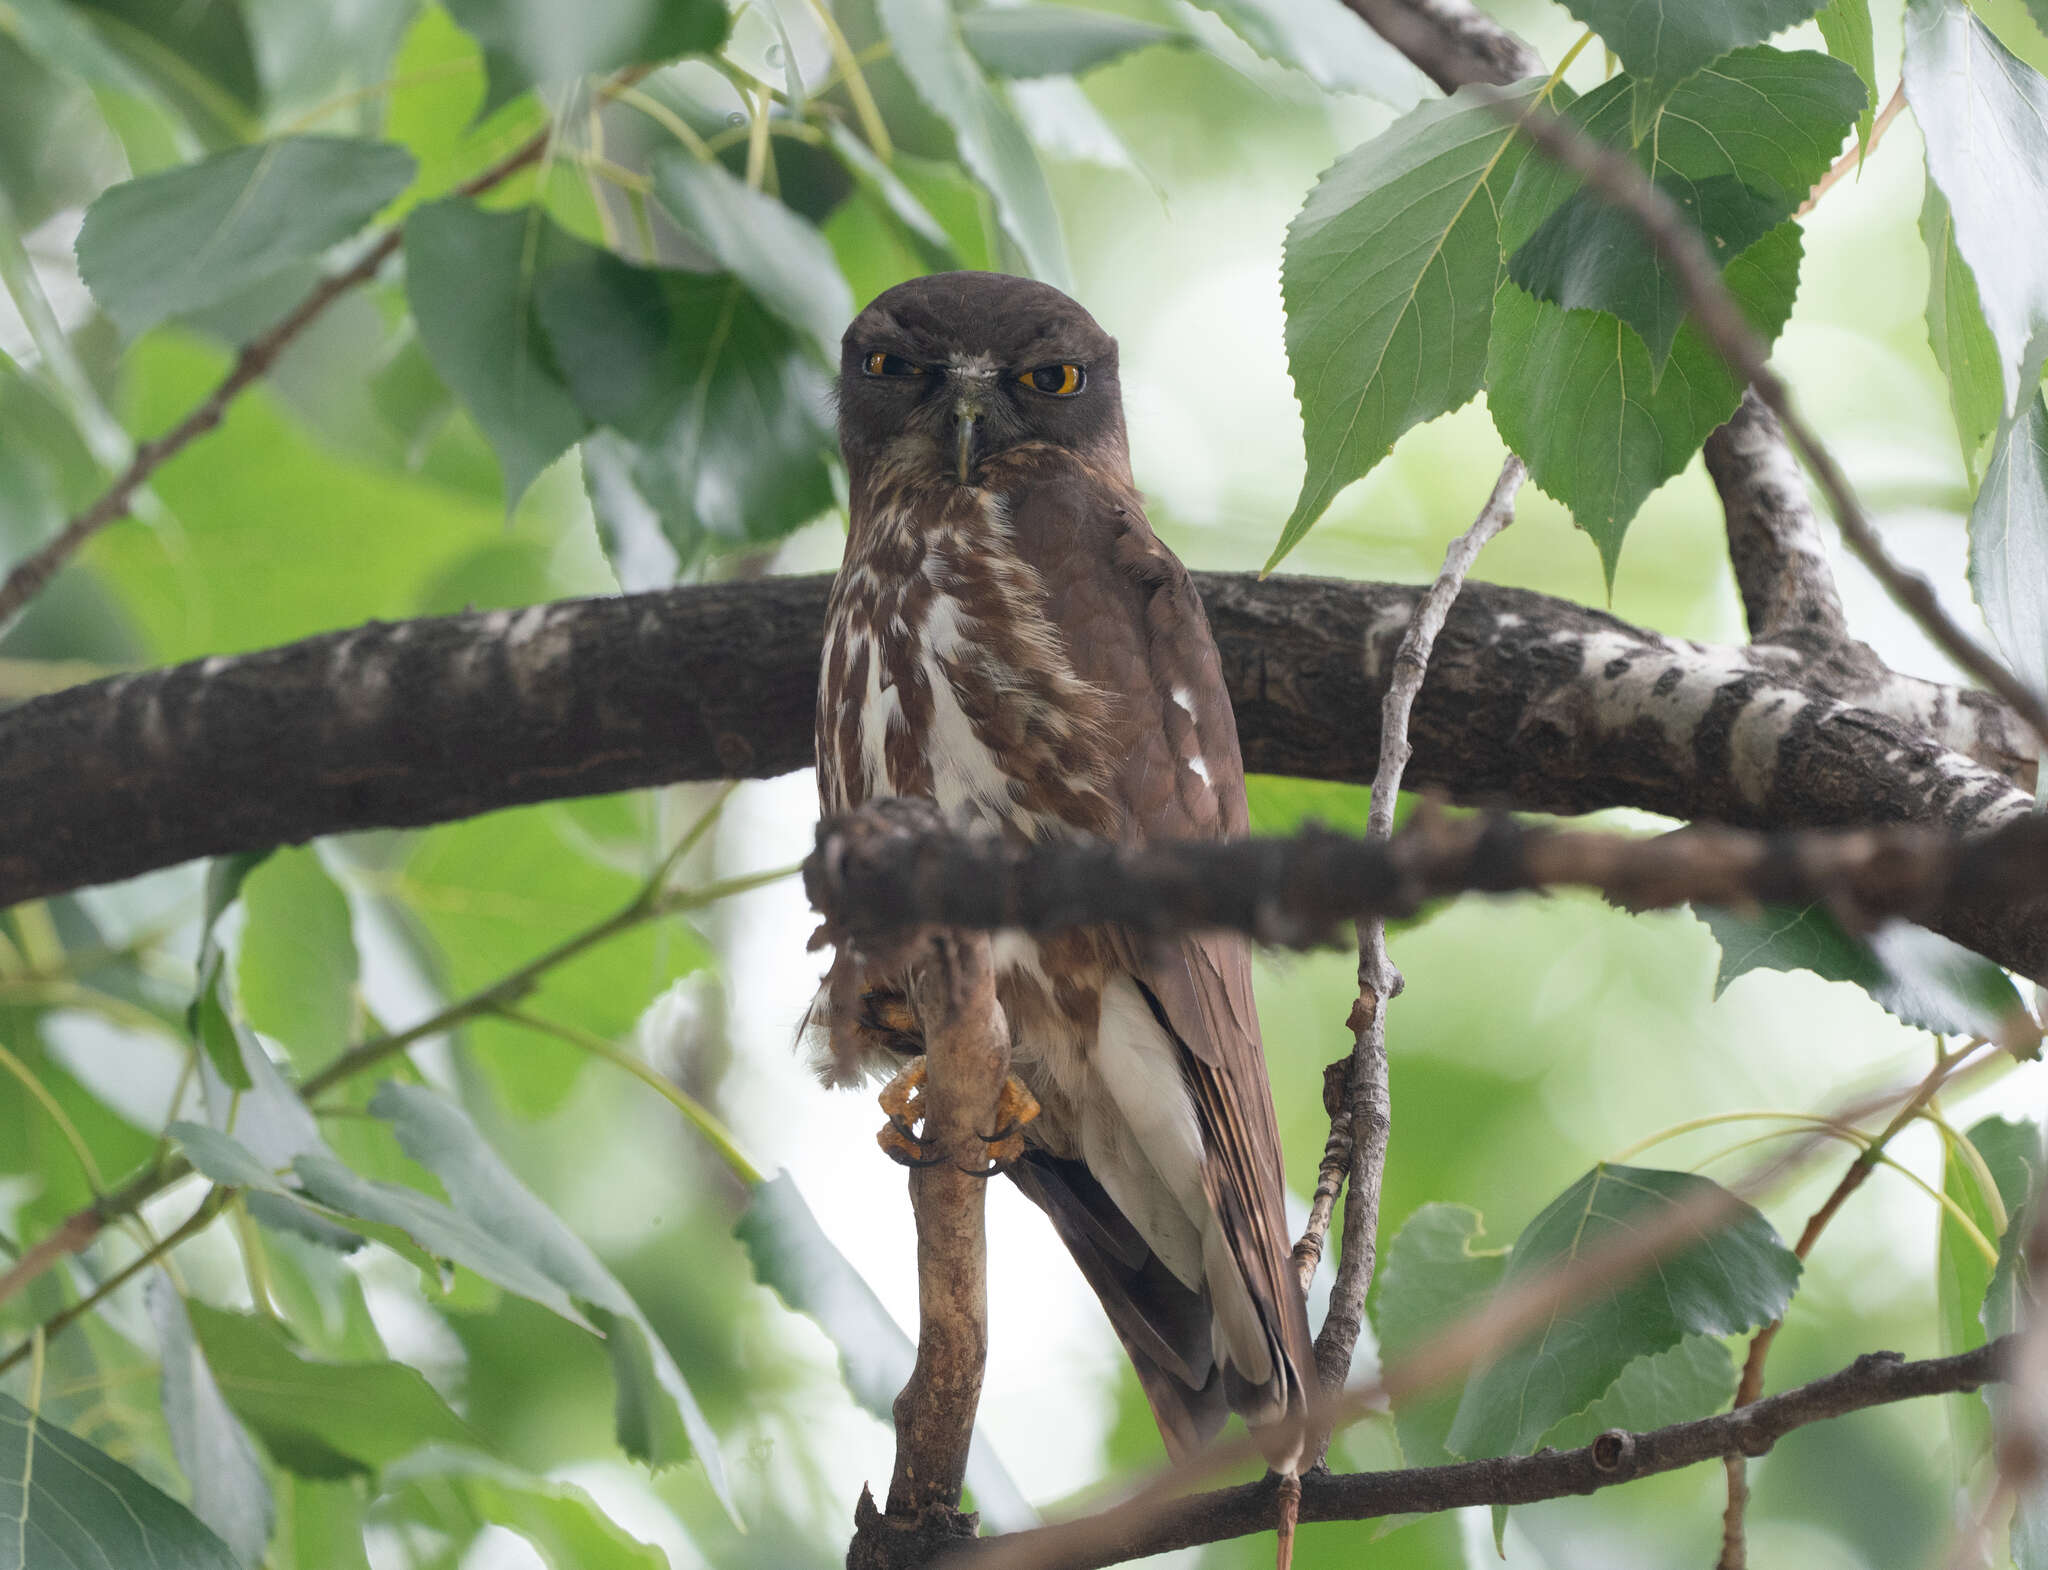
[1134, 626]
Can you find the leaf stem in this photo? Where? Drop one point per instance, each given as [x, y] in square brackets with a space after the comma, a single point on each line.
[846, 64]
[699, 1116]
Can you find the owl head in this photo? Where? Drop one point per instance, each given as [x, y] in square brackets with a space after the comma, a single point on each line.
[949, 370]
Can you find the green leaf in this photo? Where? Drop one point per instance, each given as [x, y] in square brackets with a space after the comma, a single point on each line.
[1733, 1279]
[325, 1527]
[2009, 544]
[1282, 804]
[296, 972]
[1055, 40]
[722, 409]
[229, 1492]
[777, 254]
[461, 1493]
[64, 1504]
[1737, 147]
[1575, 393]
[527, 44]
[471, 277]
[1665, 41]
[320, 1419]
[1845, 25]
[792, 1255]
[57, 34]
[1922, 979]
[210, 1016]
[1327, 42]
[173, 243]
[1693, 1379]
[1984, 113]
[658, 1418]
[198, 53]
[1430, 1277]
[926, 36]
[1957, 333]
[1388, 281]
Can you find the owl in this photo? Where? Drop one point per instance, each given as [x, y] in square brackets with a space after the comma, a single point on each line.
[1008, 638]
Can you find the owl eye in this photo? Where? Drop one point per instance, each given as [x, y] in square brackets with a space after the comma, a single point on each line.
[1061, 381]
[883, 364]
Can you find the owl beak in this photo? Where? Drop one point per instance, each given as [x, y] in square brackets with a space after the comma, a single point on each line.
[966, 417]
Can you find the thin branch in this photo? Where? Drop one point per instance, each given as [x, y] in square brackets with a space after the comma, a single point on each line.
[1451, 42]
[1710, 303]
[1366, 1112]
[1615, 1457]
[1852, 160]
[1734, 1546]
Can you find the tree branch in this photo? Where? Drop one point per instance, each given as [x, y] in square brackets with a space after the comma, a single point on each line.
[1875, 1379]
[1532, 702]
[1297, 892]
[1359, 1136]
[1451, 42]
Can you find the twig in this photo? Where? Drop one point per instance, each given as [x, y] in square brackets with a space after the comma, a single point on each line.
[967, 1061]
[1710, 304]
[1615, 1457]
[1360, 1126]
[1450, 41]
[1734, 1548]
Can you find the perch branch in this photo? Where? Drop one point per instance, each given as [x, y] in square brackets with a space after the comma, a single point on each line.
[1360, 1127]
[1450, 41]
[967, 1060]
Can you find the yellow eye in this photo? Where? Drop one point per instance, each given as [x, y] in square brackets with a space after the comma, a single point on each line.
[1061, 381]
[882, 363]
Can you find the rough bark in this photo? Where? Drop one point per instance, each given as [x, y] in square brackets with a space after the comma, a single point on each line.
[1531, 702]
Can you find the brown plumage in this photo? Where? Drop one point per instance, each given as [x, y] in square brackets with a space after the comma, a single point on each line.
[1008, 637]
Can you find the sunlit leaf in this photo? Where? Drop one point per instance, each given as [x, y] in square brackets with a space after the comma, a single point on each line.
[791, 1253]
[658, 1418]
[1429, 1277]
[1737, 1277]
[229, 1492]
[2012, 1153]
[1985, 116]
[526, 44]
[1736, 147]
[172, 243]
[1957, 333]
[1918, 976]
[471, 277]
[460, 1492]
[1327, 42]
[322, 1419]
[1388, 280]
[1047, 39]
[2009, 543]
[67, 1506]
[926, 36]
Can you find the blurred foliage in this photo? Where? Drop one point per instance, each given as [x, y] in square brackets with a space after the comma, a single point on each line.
[449, 1128]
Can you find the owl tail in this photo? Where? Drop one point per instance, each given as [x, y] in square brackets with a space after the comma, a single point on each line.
[1290, 1513]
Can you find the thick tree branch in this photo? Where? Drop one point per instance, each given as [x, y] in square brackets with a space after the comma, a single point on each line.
[1531, 702]
[1875, 1379]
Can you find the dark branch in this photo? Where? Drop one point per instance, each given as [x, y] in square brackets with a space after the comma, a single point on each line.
[1451, 42]
[1875, 1379]
[1531, 702]
[1299, 891]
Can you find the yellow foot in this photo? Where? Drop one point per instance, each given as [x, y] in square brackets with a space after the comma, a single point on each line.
[903, 1100]
[888, 1021]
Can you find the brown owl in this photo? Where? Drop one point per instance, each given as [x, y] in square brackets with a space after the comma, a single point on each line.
[1008, 638]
